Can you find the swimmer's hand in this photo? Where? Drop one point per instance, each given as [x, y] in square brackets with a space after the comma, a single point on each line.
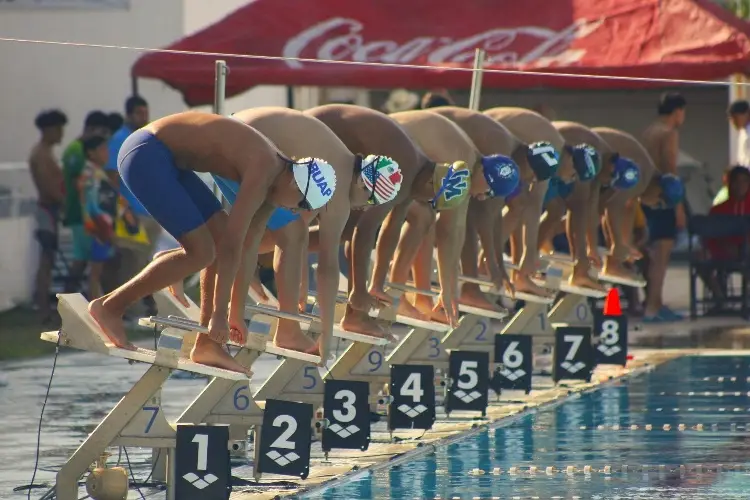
[218, 329]
[450, 306]
[363, 301]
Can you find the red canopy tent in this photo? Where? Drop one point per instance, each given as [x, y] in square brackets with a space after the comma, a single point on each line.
[672, 39]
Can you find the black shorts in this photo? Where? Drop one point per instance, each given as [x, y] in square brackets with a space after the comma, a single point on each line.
[47, 232]
[662, 223]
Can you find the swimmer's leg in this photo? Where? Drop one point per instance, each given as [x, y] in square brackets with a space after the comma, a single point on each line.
[422, 271]
[408, 246]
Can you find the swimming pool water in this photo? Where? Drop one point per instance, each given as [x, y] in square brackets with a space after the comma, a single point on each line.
[676, 432]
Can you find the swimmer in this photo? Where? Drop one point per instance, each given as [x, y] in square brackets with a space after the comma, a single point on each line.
[521, 222]
[363, 183]
[617, 196]
[443, 141]
[158, 163]
[484, 219]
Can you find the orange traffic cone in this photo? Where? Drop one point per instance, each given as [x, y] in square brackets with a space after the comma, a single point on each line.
[612, 304]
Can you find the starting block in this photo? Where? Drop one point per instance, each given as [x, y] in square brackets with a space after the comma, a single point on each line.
[137, 419]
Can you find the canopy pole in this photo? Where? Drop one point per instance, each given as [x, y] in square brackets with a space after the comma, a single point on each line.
[220, 87]
[476, 80]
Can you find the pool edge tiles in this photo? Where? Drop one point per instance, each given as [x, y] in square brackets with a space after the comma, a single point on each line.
[346, 465]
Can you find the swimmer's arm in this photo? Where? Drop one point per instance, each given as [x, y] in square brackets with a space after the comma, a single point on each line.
[488, 211]
[332, 222]
[388, 239]
[615, 214]
[363, 241]
[450, 231]
[576, 223]
[249, 259]
[593, 218]
[248, 210]
[530, 219]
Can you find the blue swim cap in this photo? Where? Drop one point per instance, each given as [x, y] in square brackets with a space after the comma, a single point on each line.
[626, 173]
[672, 189]
[515, 192]
[501, 174]
[586, 161]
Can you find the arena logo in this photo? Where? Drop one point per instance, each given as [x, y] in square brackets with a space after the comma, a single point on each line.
[553, 46]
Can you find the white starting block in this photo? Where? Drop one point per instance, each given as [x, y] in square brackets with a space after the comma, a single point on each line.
[565, 260]
[137, 419]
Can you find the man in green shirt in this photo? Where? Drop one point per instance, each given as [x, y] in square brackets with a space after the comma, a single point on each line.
[74, 160]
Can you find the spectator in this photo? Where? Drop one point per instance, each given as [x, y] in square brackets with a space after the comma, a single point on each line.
[99, 202]
[116, 121]
[436, 98]
[739, 116]
[48, 179]
[662, 140]
[401, 100]
[74, 161]
[132, 257]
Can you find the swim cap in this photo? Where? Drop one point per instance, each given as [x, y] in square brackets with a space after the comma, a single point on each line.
[543, 159]
[672, 189]
[625, 173]
[382, 176]
[452, 184]
[586, 161]
[501, 174]
[316, 180]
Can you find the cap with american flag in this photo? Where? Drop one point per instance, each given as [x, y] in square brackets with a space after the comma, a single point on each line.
[382, 177]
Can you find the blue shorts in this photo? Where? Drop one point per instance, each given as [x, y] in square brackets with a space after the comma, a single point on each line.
[662, 223]
[557, 189]
[176, 198]
[279, 218]
[100, 252]
[81, 243]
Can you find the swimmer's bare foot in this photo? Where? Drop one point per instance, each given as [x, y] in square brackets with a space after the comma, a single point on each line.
[634, 254]
[380, 294]
[583, 280]
[406, 309]
[110, 323]
[209, 353]
[546, 248]
[290, 336]
[365, 325]
[524, 284]
[426, 307]
[178, 292]
[612, 268]
[257, 287]
[473, 297]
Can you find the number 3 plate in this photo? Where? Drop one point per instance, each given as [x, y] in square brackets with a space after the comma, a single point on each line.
[346, 408]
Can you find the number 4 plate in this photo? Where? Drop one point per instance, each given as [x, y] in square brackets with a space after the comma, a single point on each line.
[346, 408]
[574, 354]
[514, 361]
[285, 439]
[612, 339]
[413, 397]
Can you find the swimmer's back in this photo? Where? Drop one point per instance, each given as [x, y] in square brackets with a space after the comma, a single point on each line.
[488, 135]
[205, 142]
[575, 133]
[440, 139]
[626, 145]
[528, 126]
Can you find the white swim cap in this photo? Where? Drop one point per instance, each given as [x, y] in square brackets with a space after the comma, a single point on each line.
[315, 179]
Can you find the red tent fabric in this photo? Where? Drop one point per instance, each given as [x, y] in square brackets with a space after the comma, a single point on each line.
[673, 39]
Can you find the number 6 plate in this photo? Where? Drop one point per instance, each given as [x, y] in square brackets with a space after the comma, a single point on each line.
[285, 439]
[514, 363]
[346, 408]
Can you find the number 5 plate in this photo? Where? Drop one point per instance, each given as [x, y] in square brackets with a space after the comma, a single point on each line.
[469, 381]
[514, 363]
[346, 408]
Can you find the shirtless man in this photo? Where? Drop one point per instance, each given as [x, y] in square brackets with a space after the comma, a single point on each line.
[48, 180]
[662, 141]
[364, 129]
[582, 201]
[484, 219]
[158, 163]
[363, 183]
[521, 222]
[443, 141]
[620, 185]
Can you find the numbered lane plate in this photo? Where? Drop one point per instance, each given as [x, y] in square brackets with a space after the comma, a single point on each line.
[347, 412]
[514, 362]
[413, 397]
[574, 353]
[285, 439]
[469, 376]
[202, 468]
[611, 339]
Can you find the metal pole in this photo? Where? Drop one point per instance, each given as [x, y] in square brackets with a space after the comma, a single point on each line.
[476, 80]
[220, 86]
